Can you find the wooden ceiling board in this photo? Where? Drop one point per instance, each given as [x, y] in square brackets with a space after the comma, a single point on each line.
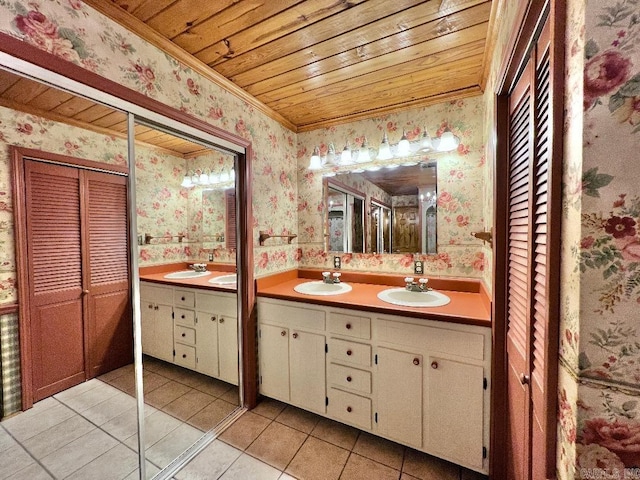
[72, 107]
[299, 80]
[298, 17]
[148, 8]
[402, 180]
[181, 16]
[93, 113]
[7, 79]
[23, 91]
[386, 36]
[113, 120]
[50, 99]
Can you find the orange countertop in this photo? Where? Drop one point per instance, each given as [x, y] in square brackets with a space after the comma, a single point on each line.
[468, 307]
[156, 274]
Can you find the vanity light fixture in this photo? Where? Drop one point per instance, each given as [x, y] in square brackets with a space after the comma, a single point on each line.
[315, 163]
[363, 153]
[404, 147]
[207, 178]
[384, 152]
[345, 156]
[447, 141]
[426, 145]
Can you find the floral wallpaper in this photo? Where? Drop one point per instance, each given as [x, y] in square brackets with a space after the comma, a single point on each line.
[460, 189]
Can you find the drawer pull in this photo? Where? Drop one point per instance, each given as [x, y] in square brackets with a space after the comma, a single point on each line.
[184, 355]
[182, 316]
[295, 335]
[214, 318]
[349, 409]
[348, 379]
[348, 325]
[434, 364]
[184, 334]
[156, 307]
[182, 298]
[283, 333]
[150, 306]
[221, 320]
[349, 352]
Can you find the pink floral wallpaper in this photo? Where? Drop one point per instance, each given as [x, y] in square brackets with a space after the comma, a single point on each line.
[460, 189]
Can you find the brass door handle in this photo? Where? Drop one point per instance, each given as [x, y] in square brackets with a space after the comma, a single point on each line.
[85, 292]
[524, 379]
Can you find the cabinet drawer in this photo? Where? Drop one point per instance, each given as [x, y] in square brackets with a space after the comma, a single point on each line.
[221, 303]
[349, 408]
[155, 293]
[350, 352]
[350, 325]
[304, 318]
[185, 335]
[186, 317]
[184, 298]
[185, 356]
[349, 377]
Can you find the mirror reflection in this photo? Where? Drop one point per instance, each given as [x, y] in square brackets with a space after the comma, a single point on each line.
[382, 211]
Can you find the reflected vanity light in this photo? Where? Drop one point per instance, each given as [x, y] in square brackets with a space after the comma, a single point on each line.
[207, 178]
[359, 159]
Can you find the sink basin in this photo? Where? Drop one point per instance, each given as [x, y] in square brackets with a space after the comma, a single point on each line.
[404, 298]
[224, 279]
[186, 274]
[320, 288]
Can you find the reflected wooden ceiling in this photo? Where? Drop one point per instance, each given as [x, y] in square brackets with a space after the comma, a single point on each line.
[403, 180]
[315, 63]
[35, 98]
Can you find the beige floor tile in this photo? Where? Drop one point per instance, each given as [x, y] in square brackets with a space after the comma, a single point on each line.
[426, 467]
[185, 376]
[6, 441]
[471, 475]
[165, 394]
[212, 462]
[211, 415]
[150, 471]
[318, 460]
[213, 386]
[151, 381]
[126, 424]
[268, 407]
[118, 372]
[110, 408]
[58, 436]
[361, 468]
[277, 445]
[188, 405]
[125, 383]
[245, 430]
[32, 472]
[379, 450]
[286, 476]
[299, 419]
[13, 460]
[247, 467]
[156, 426]
[30, 423]
[232, 395]
[406, 476]
[336, 433]
[115, 464]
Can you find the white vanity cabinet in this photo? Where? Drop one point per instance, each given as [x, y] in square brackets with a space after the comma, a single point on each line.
[291, 351]
[418, 382]
[156, 318]
[192, 328]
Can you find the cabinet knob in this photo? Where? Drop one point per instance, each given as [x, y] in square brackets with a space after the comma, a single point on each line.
[524, 379]
[283, 333]
[349, 409]
[184, 334]
[85, 292]
[214, 318]
[221, 320]
[182, 298]
[184, 355]
[348, 379]
[348, 325]
[156, 307]
[295, 335]
[434, 364]
[182, 316]
[349, 352]
[150, 307]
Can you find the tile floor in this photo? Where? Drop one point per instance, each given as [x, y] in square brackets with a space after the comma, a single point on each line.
[89, 432]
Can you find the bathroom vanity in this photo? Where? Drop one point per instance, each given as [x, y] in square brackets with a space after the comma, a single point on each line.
[419, 377]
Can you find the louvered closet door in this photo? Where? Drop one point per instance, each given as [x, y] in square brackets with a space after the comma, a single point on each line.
[55, 272]
[110, 331]
[518, 275]
[230, 215]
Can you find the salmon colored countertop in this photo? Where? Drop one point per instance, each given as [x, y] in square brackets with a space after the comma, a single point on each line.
[156, 274]
[469, 304]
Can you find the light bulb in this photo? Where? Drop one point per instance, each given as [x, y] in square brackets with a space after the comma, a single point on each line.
[315, 163]
[363, 154]
[204, 178]
[404, 147]
[224, 176]
[384, 152]
[448, 142]
[186, 182]
[345, 157]
[195, 179]
[426, 144]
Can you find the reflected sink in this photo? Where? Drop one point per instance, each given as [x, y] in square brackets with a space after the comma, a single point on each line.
[186, 274]
[320, 288]
[405, 298]
[224, 279]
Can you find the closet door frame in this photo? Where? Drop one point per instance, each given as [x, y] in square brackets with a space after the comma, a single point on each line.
[18, 157]
[527, 26]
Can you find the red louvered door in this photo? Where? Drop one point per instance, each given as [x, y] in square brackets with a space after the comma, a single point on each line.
[110, 330]
[532, 270]
[54, 234]
[230, 215]
[80, 318]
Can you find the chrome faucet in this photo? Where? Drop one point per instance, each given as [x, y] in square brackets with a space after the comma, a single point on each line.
[199, 267]
[326, 277]
[419, 286]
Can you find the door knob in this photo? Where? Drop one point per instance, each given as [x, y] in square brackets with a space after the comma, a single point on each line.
[85, 292]
[524, 379]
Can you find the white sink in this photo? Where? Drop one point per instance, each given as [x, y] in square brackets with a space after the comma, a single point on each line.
[403, 297]
[320, 288]
[224, 279]
[186, 274]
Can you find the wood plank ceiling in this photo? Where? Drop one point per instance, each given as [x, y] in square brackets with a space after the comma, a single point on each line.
[316, 63]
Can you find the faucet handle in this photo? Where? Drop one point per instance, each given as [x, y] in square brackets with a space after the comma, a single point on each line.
[408, 279]
[423, 281]
[326, 274]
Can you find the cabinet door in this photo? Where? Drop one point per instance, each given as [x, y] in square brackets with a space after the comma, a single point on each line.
[454, 413]
[399, 393]
[148, 324]
[163, 341]
[273, 351]
[207, 344]
[307, 370]
[228, 348]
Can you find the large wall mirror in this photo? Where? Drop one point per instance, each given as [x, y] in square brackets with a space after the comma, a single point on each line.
[390, 210]
[181, 406]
